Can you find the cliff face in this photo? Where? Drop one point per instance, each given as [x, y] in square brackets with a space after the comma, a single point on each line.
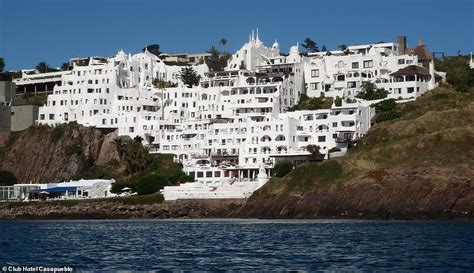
[44, 154]
[393, 194]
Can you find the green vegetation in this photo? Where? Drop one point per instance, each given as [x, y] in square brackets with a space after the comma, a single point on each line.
[218, 60]
[160, 172]
[58, 133]
[315, 154]
[386, 110]
[307, 103]
[7, 75]
[161, 84]
[370, 92]
[342, 47]
[433, 134]
[304, 178]
[136, 157]
[223, 42]
[310, 45]
[189, 76]
[7, 178]
[338, 101]
[153, 48]
[43, 67]
[282, 168]
[458, 72]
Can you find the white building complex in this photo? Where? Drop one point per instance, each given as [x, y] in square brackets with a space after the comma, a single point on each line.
[230, 130]
[80, 189]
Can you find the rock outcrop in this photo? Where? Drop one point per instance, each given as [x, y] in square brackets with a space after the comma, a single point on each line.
[44, 154]
[398, 195]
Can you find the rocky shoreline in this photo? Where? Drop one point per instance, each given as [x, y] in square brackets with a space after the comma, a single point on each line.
[114, 210]
[277, 207]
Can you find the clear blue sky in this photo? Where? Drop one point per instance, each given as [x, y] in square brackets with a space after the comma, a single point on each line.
[57, 30]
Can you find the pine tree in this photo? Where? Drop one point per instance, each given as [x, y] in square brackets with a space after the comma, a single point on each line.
[189, 76]
[218, 60]
[310, 45]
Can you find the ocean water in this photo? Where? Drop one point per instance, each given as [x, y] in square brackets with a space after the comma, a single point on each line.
[239, 245]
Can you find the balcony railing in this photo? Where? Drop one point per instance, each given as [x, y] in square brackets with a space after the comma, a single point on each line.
[224, 154]
[344, 140]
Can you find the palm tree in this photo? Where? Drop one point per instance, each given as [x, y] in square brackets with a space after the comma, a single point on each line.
[120, 146]
[223, 42]
[43, 67]
[137, 158]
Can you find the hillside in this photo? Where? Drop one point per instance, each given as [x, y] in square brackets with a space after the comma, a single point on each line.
[417, 164]
[43, 154]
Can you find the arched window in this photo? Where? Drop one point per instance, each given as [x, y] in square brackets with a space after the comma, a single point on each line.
[266, 138]
[280, 138]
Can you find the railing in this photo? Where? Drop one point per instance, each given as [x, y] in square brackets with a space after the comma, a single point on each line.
[344, 140]
[225, 154]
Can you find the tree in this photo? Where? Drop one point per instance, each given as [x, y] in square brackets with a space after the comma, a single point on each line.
[136, 157]
[162, 84]
[323, 49]
[7, 178]
[315, 155]
[342, 47]
[2, 64]
[153, 48]
[66, 66]
[120, 146]
[189, 76]
[223, 42]
[338, 101]
[370, 92]
[218, 60]
[282, 168]
[138, 139]
[310, 45]
[43, 67]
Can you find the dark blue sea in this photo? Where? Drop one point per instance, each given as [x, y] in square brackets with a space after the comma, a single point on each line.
[239, 245]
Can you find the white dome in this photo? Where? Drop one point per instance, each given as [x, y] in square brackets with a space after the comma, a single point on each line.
[295, 50]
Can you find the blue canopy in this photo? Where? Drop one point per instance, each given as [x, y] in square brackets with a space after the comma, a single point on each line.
[56, 189]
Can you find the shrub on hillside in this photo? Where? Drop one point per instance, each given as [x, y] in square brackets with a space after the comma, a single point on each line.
[385, 105]
[370, 92]
[458, 72]
[389, 115]
[7, 178]
[282, 168]
[151, 184]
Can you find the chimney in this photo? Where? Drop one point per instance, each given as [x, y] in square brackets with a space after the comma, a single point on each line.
[421, 43]
[432, 82]
[402, 44]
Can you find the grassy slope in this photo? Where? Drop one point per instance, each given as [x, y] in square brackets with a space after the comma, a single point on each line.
[434, 133]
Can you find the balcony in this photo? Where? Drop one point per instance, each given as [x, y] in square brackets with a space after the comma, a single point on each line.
[344, 140]
[224, 154]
